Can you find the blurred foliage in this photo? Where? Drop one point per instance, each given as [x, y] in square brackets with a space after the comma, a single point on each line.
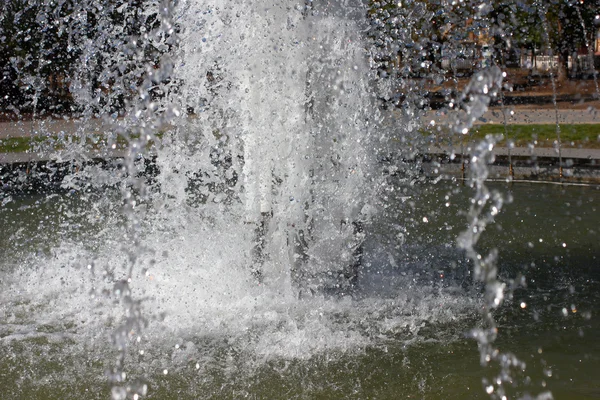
[419, 45]
[57, 56]
[418, 30]
[67, 56]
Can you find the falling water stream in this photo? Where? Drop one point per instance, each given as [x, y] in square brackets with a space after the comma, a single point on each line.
[264, 229]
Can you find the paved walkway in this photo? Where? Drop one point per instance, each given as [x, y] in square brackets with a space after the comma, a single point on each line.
[70, 127]
[567, 153]
[50, 127]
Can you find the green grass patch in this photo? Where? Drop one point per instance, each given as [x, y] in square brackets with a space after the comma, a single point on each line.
[584, 135]
[54, 143]
[541, 135]
[18, 144]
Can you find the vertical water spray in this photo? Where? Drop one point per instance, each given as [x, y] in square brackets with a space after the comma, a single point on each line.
[542, 12]
[290, 104]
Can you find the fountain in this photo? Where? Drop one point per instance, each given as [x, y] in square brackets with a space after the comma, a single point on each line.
[239, 207]
[278, 101]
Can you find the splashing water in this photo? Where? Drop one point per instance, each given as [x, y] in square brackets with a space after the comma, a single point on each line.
[247, 226]
[282, 110]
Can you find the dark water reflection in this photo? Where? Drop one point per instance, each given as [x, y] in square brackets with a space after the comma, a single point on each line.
[549, 319]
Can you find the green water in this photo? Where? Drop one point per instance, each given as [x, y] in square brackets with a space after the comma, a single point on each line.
[557, 334]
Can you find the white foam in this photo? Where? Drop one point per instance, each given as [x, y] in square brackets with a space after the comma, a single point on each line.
[198, 285]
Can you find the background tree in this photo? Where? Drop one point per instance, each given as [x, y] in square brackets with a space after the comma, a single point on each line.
[568, 22]
[35, 55]
[59, 57]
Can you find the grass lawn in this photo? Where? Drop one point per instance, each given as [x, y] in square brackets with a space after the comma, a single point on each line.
[571, 135]
[15, 145]
[23, 144]
[578, 136]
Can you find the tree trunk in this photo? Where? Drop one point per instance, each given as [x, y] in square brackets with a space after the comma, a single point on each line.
[563, 57]
[563, 67]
